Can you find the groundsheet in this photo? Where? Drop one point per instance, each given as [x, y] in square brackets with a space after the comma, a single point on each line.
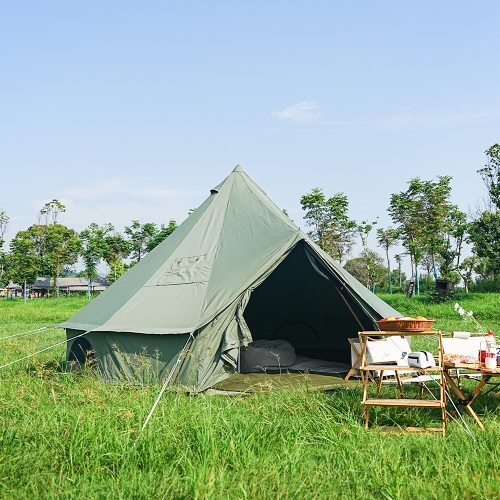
[318, 366]
[265, 382]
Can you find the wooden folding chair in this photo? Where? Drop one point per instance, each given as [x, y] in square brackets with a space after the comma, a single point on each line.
[393, 349]
[375, 356]
[356, 360]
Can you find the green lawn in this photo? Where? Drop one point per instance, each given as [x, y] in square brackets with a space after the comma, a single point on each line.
[71, 436]
[485, 306]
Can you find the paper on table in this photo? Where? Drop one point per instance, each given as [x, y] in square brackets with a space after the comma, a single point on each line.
[461, 335]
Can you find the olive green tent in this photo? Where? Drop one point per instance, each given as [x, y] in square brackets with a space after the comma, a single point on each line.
[236, 270]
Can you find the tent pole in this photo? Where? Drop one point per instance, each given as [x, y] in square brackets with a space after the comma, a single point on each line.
[350, 309]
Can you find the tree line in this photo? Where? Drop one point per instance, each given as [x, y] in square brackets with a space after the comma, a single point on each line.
[51, 249]
[430, 228]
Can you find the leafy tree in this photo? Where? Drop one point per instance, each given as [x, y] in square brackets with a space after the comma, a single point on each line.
[364, 229]
[139, 238]
[455, 235]
[331, 227]
[483, 269]
[467, 267]
[23, 262]
[62, 249]
[118, 269]
[116, 249]
[427, 263]
[399, 277]
[484, 233]
[142, 238]
[490, 174]
[386, 238]
[420, 214]
[50, 211]
[49, 249]
[161, 235]
[368, 275]
[94, 243]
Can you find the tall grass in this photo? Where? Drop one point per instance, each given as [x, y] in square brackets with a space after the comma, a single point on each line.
[71, 436]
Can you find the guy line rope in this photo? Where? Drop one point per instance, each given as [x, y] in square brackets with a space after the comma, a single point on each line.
[53, 327]
[167, 381]
[46, 349]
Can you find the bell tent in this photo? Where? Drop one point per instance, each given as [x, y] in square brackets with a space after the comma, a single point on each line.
[237, 270]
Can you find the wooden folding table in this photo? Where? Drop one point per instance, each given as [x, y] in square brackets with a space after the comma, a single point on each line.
[466, 401]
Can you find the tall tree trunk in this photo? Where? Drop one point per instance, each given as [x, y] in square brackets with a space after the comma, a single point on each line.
[388, 269]
[434, 266]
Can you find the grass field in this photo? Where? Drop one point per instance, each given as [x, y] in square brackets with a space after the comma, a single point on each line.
[70, 436]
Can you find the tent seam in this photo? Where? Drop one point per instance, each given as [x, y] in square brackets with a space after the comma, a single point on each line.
[216, 253]
[286, 219]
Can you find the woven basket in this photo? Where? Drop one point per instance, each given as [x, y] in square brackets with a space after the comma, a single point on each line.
[406, 325]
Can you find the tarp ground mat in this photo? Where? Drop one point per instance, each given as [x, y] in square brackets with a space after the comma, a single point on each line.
[265, 382]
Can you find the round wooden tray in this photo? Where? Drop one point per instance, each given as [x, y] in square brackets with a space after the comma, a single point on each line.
[406, 325]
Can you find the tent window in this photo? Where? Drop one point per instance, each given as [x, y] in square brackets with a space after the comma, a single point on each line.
[195, 269]
[81, 351]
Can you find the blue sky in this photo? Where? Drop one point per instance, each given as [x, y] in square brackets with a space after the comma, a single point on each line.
[134, 110]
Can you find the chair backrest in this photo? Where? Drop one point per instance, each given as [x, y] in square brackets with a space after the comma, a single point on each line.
[464, 347]
[390, 350]
[401, 347]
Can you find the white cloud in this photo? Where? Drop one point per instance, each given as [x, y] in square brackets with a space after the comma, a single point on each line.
[307, 112]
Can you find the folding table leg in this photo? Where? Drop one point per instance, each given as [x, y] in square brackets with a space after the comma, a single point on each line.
[379, 383]
[398, 378]
[462, 397]
[367, 416]
[443, 419]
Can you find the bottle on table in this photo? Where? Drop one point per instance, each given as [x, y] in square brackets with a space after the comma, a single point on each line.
[490, 357]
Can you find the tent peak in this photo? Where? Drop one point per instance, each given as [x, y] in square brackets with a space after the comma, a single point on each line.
[237, 169]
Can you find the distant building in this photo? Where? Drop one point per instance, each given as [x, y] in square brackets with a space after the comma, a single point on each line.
[68, 285]
[13, 286]
[11, 289]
